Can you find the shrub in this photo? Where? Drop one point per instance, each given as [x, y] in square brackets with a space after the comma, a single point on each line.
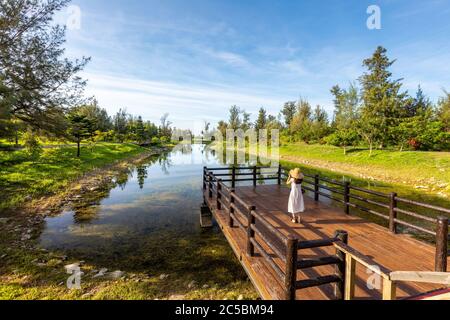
[32, 145]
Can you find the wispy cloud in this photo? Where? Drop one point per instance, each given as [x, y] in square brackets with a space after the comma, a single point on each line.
[186, 103]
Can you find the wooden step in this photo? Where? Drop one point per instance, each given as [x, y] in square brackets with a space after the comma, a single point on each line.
[322, 261]
[303, 284]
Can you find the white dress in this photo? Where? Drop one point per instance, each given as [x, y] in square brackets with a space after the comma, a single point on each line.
[296, 203]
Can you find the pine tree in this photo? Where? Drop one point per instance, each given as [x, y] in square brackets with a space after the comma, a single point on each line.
[140, 131]
[261, 122]
[37, 81]
[79, 127]
[383, 103]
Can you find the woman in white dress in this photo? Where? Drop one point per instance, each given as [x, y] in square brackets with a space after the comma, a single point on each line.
[296, 203]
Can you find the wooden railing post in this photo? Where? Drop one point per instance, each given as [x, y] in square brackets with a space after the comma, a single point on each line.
[231, 211]
[316, 187]
[219, 195]
[347, 197]
[389, 289]
[290, 280]
[350, 277]
[254, 176]
[279, 174]
[250, 232]
[210, 182]
[393, 213]
[233, 177]
[339, 287]
[204, 177]
[441, 244]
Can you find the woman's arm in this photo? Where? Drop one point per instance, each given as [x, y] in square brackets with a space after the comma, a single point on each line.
[289, 180]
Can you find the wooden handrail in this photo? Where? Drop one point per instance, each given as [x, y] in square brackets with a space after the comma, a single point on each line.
[211, 183]
[421, 277]
[362, 259]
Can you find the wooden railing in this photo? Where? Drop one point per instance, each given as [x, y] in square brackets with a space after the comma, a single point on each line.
[261, 235]
[350, 197]
[283, 252]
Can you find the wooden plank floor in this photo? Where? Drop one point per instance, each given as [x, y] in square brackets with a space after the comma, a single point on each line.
[395, 252]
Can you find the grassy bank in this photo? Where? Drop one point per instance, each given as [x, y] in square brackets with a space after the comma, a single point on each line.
[22, 179]
[426, 171]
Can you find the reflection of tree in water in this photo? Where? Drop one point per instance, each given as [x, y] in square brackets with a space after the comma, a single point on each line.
[186, 149]
[142, 174]
[165, 163]
[122, 178]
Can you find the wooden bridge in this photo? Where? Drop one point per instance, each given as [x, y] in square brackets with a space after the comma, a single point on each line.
[332, 254]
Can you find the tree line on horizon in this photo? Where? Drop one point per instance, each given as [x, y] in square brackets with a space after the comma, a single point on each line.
[373, 112]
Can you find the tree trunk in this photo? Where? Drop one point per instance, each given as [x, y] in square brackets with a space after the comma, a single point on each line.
[78, 148]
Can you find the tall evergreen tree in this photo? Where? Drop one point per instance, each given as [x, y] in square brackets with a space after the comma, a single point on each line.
[37, 82]
[140, 130]
[80, 127]
[261, 122]
[383, 103]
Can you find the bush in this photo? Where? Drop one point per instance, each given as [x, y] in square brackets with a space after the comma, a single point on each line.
[155, 141]
[32, 145]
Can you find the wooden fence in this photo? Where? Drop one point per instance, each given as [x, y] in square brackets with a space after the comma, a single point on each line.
[349, 196]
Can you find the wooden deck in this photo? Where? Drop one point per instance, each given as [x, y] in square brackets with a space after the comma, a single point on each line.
[394, 252]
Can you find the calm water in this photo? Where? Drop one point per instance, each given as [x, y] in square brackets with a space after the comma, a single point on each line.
[146, 214]
[155, 206]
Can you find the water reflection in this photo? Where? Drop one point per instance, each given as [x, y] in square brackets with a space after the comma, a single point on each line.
[142, 205]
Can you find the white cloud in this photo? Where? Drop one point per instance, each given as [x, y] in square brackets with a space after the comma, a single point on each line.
[186, 103]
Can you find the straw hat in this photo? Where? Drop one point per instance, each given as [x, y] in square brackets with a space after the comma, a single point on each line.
[296, 174]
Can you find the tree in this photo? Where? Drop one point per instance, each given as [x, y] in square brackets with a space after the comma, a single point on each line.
[346, 104]
[222, 127]
[165, 130]
[37, 84]
[235, 121]
[319, 125]
[79, 127]
[32, 145]
[261, 122]
[205, 131]
[301, 123]
[419, 106]
[246, 124]
[140, 130]
[383, 104]
[288, 112]
[443, 111]
[151, 130]
[120, 124]
[98, 116]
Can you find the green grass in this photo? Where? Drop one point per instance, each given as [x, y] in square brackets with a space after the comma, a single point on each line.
[21, 177]
[427, 170]
[207, 262]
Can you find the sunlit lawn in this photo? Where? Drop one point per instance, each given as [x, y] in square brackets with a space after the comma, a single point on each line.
[21, 177]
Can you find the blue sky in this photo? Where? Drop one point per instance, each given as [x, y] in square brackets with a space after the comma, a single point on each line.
[194, 59]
